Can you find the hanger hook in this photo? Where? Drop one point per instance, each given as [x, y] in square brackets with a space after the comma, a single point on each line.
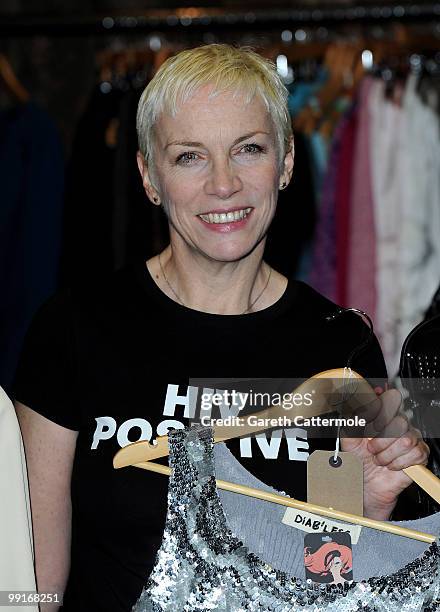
[362, 345]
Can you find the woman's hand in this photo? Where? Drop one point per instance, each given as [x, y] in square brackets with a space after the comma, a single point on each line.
[394, 445]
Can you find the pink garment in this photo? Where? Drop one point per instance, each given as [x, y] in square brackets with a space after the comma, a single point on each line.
[343, 213]
[361, 259]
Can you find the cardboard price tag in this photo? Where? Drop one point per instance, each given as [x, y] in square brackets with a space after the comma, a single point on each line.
[339, 486]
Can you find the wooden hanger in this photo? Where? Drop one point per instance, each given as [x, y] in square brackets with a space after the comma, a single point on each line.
[283, 500]
[329, 383]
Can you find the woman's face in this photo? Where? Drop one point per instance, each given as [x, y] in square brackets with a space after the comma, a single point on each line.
[217, 174]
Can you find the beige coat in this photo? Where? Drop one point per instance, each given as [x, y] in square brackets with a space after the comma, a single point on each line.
[16, 545]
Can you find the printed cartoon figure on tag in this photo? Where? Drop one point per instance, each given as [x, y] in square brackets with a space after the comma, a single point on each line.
[328, 557]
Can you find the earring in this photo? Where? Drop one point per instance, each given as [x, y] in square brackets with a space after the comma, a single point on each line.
[155, 199]
[283, 186]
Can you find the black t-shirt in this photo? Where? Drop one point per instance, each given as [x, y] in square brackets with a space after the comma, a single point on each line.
[114, 363]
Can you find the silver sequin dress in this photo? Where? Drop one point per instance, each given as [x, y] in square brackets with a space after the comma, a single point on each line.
[201, 565]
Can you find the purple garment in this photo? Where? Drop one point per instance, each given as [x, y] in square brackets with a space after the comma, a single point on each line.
[361, 283]
[343, 195]
[323, 273]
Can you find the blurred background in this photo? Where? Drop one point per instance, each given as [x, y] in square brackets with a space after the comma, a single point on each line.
[360, 220]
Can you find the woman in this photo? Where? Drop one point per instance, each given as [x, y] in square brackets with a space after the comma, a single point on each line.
[111, 364]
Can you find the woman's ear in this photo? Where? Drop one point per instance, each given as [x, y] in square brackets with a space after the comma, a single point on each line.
[287, 169]
[151, 192]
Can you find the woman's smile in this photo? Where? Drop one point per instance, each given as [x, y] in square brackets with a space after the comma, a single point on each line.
[226, 221]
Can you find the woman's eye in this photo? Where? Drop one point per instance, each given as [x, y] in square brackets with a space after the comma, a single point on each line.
[252, 148]
[186, 158]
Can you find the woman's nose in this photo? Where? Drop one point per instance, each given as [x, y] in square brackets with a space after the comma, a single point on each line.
[223, 180]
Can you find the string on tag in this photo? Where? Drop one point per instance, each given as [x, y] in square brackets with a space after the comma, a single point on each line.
[336, 460]
[348, 373]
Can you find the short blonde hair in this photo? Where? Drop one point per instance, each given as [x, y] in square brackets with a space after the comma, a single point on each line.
[226, 68]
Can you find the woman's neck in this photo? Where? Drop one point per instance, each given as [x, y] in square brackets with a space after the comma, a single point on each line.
[337, 577]
[217, 287]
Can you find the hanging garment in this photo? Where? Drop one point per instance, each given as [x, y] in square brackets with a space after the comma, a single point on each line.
[202, 565]
[405, 163]
[31, 210]
[387, 137]
[16, 548]
[292, 227]
[139, 228]
[302, 92]
[376, 553]
[419, 249]
[361, 256]
[108, 214]
[87, 240]
[342, 206]
[323, 272]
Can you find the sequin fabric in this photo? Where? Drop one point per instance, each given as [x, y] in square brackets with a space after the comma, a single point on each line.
[201, 565]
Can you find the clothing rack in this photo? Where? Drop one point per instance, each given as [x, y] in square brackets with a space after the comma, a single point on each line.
[203, 20]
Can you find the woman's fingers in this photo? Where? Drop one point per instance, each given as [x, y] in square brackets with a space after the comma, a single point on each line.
[397, 453]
